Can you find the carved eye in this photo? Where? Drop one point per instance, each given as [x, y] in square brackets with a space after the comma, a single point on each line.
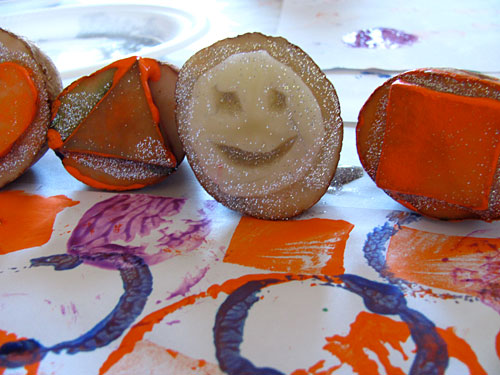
[227, 101]
[277, 100]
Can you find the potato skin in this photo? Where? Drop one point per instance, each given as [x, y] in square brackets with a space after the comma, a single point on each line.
[32, 145]
[294, 199]
[371, 127]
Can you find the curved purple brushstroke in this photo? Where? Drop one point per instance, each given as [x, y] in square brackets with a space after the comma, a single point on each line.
[431, 356]
[121, 218]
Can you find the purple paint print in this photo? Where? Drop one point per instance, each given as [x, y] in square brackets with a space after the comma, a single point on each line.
[188, 283]
[140, 225]
[379, 38]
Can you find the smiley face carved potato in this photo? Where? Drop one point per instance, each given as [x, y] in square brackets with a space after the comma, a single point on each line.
[29, 82]
[430, 138]
[260, 124]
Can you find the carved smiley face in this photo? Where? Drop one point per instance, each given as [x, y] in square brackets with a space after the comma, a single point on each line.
[258, 125]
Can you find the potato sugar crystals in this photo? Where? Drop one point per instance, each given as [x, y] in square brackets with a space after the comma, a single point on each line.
[430, 138]
[260, 125]
[116, 129]
[29, 82]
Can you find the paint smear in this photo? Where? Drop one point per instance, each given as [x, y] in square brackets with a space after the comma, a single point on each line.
[146, 324]
[469, 265]
[111, 226]
[27, 220]
[370, 333]
[242, 290]
[374, 333]
[159, 361]
[5, 337]
[314, 246]
[379, 38]
[498, 344]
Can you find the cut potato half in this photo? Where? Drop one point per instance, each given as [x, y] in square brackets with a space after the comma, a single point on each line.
[29, 82]
[430, 138]
[260, 124]
[116, 129]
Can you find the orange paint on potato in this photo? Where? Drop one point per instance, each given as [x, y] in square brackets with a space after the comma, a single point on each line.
[314, 246]
[98, 184]
[150, 70]
[27, 220]
[440, 145]
[54, 139]
[455, 263]
[18, 103]
[120, 125]
[10, 337]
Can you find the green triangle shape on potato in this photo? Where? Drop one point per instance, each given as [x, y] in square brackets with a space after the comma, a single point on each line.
[76, 102]
[121, 126]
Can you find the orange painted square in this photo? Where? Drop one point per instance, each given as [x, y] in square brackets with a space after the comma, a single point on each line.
[440, 145]
[313, 246]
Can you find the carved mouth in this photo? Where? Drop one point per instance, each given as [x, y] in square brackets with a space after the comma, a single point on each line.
[256, 159]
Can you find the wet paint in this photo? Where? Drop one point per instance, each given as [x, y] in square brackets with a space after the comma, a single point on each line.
[22, 214]
[20, 353]
[146, 324]
[98, 239]
[314, 246]
[379, 38]
[497, 346]
[137, 285]
[431, 352]
[110, 225]
[460, 264]
[436, 150]
[30, 363]
[18, 103]
[188, 282]
[375, 245]
[461, 350]
[370, 333]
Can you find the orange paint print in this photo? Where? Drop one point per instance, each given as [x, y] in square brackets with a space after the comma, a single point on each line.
[314, 246]
[455, 263]
[137, 332]
[9, 337]
[372, 333]
[27, 220]
[458, 348]
[498, 344]
[148, 355]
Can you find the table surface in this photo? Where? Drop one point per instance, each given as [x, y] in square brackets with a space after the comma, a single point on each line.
[166, 278]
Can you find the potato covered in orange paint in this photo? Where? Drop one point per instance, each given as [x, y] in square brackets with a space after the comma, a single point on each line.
[115, 129]
[29, 82]
[430, 138]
